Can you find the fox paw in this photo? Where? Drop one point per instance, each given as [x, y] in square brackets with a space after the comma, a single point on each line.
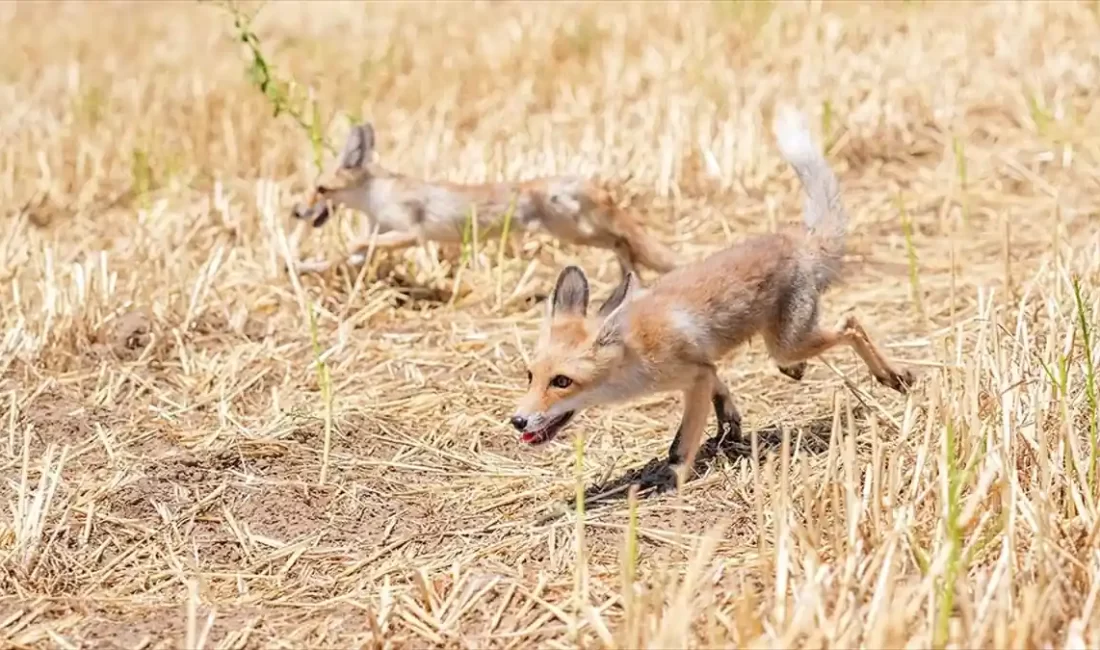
[673, 474]
[729, 428]
[311, 266]
[899, 381]
[794, 371]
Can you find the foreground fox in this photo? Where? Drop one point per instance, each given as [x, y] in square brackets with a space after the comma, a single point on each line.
[407, 211]
[669, 337]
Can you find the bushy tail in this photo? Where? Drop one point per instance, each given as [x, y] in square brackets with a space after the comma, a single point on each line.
[641, 246]
[822, 209]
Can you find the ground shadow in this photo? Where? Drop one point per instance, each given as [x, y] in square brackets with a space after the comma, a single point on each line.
[411, 292]
[656, 477]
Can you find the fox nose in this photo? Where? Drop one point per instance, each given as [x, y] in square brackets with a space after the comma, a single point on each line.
[318, 215]
[519, 422]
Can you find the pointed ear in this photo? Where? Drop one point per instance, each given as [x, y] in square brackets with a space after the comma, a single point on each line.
[358, 147]
[619, 294]
[570, 293]
[611, 329]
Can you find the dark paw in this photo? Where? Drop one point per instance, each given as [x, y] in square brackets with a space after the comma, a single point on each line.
[729, 428]
[672, 474]
[729, 418]
[661, 478]
[901, 381]
[795, 371]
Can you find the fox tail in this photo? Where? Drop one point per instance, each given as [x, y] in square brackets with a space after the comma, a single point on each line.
[823, 211]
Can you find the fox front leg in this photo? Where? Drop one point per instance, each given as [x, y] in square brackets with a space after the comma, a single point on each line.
[698, 400]
[725, 411]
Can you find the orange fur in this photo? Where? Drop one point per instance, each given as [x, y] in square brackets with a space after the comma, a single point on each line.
[669, 337]
[406, 211]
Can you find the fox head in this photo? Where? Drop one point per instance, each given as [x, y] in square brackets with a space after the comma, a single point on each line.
[345, 183]
[575, 357]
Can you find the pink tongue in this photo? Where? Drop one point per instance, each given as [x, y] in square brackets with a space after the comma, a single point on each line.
[527, 437]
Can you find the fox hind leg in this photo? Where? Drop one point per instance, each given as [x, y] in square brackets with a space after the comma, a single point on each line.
[799, 337]
[883, 370]
[797, 318]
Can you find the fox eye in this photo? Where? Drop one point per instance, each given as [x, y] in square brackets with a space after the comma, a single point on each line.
[561, 381]
[529, 377]
[321, 189]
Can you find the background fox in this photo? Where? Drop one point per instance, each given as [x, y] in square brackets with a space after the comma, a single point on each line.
[406, 211]
[670, 336]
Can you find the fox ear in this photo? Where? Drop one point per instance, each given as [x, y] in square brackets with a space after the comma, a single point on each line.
[358, 147]
[570, 293]
[611, 329]
[619, 294]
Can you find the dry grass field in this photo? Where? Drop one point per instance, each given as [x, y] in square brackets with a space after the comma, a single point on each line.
[200, 448]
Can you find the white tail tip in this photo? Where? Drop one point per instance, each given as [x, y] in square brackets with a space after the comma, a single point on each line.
[792, 132]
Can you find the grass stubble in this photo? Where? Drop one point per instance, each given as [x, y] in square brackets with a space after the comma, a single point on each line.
[205, 449]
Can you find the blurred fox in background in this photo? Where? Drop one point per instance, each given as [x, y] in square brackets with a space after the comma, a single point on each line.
[407, 211]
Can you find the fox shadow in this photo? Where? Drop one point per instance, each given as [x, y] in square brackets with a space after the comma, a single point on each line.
[657, 477]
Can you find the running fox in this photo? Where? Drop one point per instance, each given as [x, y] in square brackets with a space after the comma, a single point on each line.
[407, 211]
[669, 336]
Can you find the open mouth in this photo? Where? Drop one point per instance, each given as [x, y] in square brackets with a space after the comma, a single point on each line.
[316, 216]
[547, 432]
[321, 216]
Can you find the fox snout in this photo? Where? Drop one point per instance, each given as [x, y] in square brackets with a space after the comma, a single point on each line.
[317, 213]
[538, 429]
